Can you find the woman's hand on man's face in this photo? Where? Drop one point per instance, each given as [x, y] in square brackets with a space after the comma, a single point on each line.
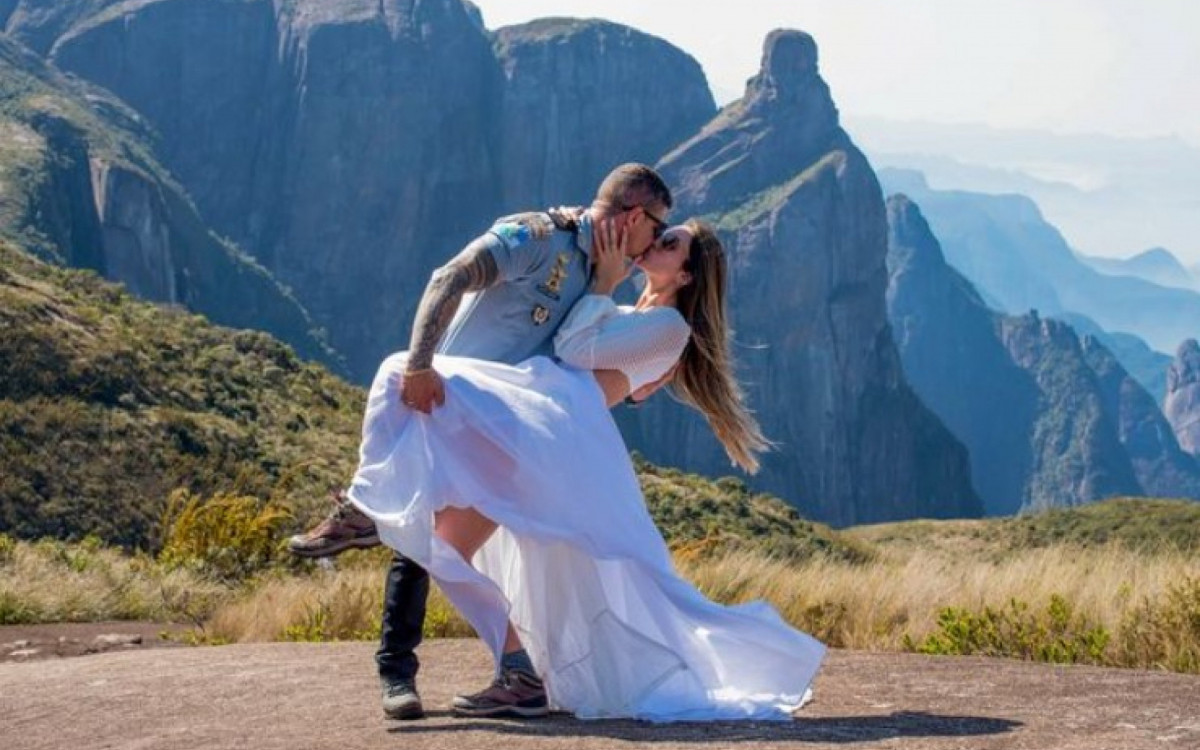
[611, 266]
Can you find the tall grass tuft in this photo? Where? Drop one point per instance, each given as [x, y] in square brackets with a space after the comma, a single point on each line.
[227, 536]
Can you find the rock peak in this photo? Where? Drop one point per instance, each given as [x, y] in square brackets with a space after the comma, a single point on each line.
[789, 61]
[1182, 404]
[1185, 369]
[1189, 350]
[910, 240]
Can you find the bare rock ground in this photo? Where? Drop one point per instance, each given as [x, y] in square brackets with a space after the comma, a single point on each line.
[296, 696]
[49, 641]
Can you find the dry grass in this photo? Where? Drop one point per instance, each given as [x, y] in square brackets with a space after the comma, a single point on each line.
[51, 581]
[340, 603]
[1145, 608]
[895, 602]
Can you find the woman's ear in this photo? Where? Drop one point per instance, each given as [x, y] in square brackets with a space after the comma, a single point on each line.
[685, 278]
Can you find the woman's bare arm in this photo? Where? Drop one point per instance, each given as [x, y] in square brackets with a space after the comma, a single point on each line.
[615, 385]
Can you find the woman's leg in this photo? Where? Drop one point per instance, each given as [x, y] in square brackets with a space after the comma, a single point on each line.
[466, 530]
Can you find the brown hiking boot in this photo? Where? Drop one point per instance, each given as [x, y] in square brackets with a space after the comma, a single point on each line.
[514, 693]
[346, 527]
[401, 701]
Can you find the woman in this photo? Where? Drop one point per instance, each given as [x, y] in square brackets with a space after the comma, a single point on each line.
[524, 473]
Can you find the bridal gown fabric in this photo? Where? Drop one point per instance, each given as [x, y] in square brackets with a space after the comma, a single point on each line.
[578, 564]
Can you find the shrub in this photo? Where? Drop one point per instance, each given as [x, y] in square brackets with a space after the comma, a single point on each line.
[1055, 635]
[1164, 633]
[228, 536]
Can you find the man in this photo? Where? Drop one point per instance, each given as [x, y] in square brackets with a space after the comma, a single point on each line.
[501, 299]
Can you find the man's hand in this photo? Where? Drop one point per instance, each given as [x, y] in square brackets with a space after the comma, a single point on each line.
[422, 391]
[649, 389]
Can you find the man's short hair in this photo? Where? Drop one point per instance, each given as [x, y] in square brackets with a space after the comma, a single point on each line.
[632, 185]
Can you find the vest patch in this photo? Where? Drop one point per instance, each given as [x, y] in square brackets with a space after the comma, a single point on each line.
[512, 233]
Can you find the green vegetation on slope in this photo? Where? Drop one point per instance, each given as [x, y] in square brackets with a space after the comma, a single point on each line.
[771, 198]
[1142, 525]
[706, 518]
[108, 404]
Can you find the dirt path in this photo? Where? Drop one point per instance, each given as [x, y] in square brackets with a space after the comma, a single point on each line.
[295, 696]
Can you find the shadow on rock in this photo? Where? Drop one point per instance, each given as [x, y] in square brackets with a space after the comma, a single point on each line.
[829, 729]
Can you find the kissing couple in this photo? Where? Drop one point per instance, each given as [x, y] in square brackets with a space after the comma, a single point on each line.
[490, 461]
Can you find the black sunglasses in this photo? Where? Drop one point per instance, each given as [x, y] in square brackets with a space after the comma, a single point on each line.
[660, 226]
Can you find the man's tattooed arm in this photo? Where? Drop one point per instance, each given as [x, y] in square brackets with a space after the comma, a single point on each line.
[471, 270]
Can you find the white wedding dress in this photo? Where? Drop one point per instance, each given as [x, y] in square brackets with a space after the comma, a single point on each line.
[577, 563]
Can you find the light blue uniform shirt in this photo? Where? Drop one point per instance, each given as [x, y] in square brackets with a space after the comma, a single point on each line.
[542, 274]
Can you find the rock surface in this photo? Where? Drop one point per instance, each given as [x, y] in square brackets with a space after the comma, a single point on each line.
[803, 222]
[306, 695]
[1182, 405]
[20, 643]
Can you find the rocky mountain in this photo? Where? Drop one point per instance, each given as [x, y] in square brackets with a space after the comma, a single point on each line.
[1147, 366]
[1049, 419]
[802, 218]
[352, 145]
[1003, 244]
[1156, 265]
[558, 137]
[80, 184]
[1162, 467]
[1182, 404]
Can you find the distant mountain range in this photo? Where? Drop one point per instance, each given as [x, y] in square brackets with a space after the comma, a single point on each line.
[1021, 262]
[1156, 265]
[1108, 195]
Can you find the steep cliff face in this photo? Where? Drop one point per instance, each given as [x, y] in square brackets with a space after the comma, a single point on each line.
[347, 145]
[955, 361]
[1050, 420]
[80, 187]
[1182, 405]
[583, 96]
[803, 222]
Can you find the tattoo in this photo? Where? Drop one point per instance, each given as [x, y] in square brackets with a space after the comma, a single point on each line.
[472, 270]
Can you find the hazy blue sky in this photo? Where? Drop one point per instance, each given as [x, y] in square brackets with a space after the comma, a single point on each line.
[1123, 67]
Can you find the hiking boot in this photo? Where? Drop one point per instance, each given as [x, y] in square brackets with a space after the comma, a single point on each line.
[514, 693]
[400, 701]
[344, 528]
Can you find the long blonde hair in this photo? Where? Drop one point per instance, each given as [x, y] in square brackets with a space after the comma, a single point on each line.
[705, 378]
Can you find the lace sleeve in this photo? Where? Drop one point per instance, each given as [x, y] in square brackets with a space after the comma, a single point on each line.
[642, 344]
